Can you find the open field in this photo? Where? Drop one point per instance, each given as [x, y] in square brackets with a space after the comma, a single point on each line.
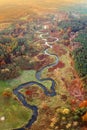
[13, 10]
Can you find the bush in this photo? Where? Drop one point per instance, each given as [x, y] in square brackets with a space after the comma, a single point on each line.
[9, 71]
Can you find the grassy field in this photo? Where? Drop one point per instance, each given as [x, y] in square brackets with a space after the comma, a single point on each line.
[15, 114]
[11, 106]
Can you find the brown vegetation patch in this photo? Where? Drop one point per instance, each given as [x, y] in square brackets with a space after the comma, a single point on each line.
[50, 39]
[59, 65]
[59, 50]
[42, 56]
[76, 89]
[54, 34]
[46, 61]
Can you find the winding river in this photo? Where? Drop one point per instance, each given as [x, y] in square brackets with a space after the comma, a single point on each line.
[51, 93]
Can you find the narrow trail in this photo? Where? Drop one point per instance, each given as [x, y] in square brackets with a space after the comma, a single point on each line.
[52, 91]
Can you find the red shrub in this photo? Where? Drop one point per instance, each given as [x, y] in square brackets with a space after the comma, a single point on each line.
[59, 65]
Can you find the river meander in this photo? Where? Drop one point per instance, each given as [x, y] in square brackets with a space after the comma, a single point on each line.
[52, 91]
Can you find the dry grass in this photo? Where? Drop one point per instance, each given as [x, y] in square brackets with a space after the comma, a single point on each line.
[13, 10]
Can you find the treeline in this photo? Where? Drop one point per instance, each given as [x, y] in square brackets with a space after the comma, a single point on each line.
[74, 23]
[80, 54]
